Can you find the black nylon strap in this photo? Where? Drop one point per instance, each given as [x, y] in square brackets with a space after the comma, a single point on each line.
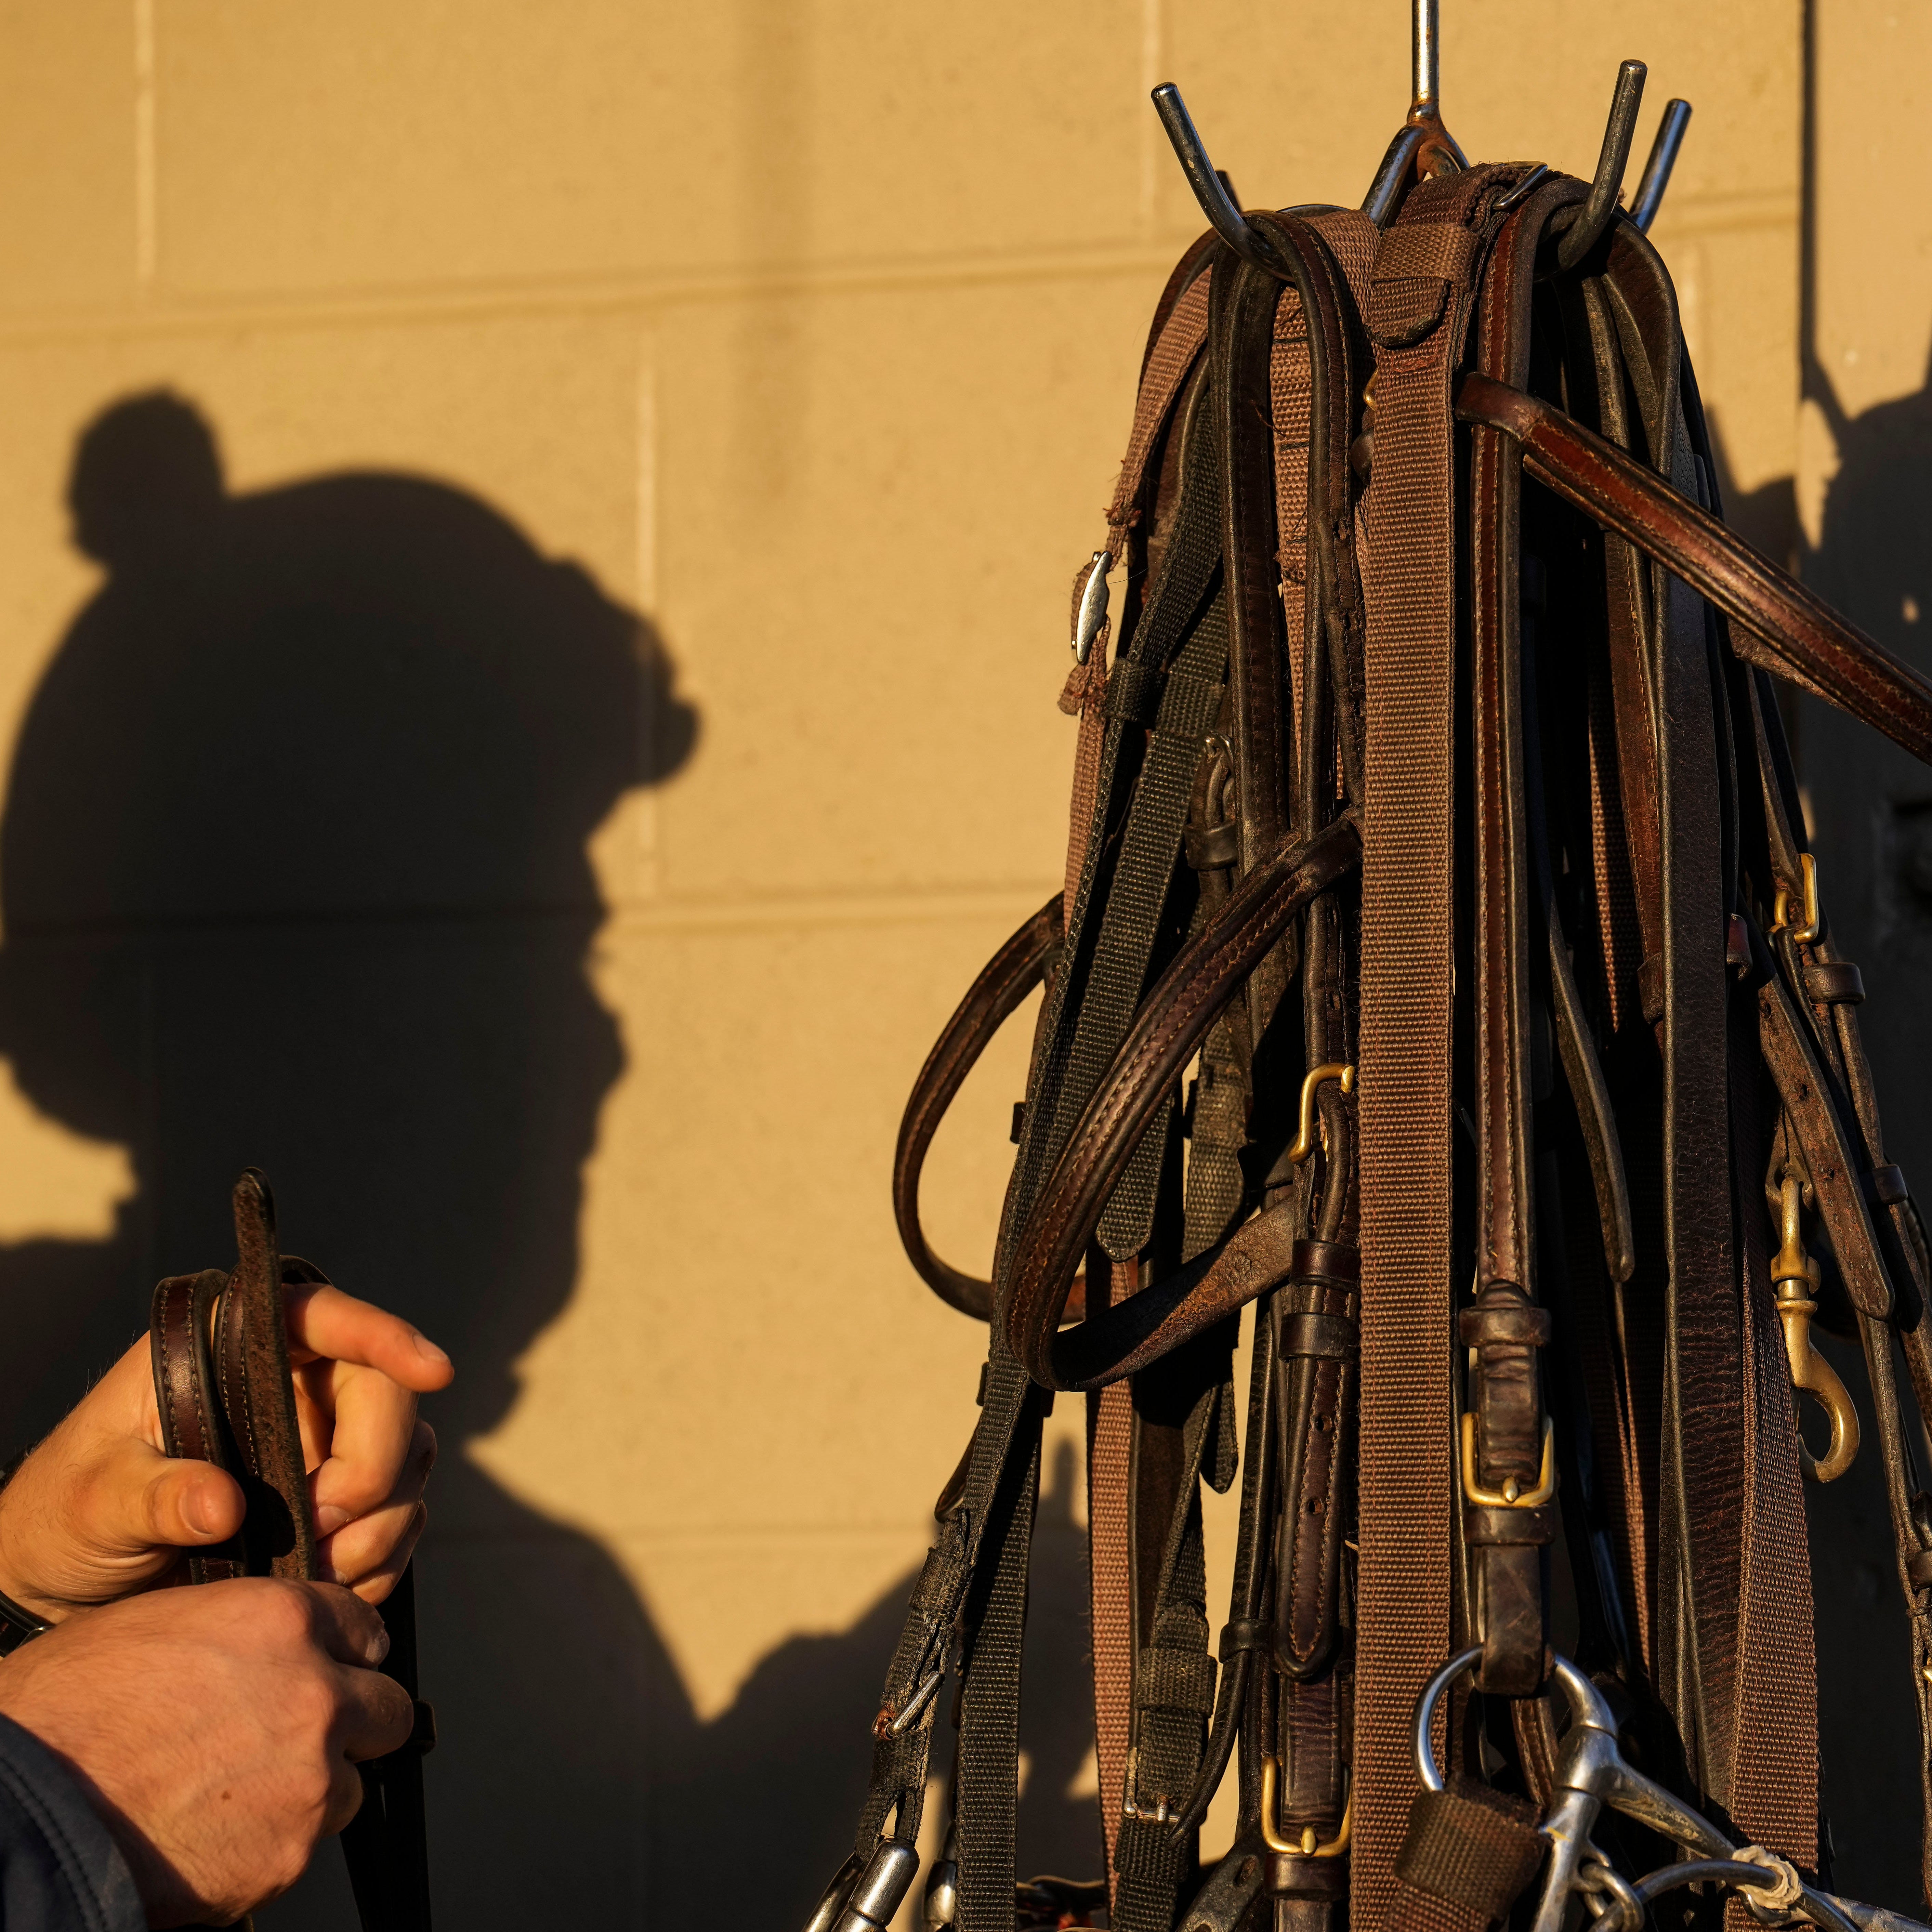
[1174, 1683]
[986, 1797]
[1062, 1081]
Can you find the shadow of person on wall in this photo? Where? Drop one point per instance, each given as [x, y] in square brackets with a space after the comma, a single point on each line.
[1870, 805]
[293, 872]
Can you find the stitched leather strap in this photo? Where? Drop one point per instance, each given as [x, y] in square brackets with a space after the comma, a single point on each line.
[1205, 975]
[1004, 982]
[1788, 630]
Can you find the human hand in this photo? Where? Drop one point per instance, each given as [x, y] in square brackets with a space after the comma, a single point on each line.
[99, 1509]
[215, 1731]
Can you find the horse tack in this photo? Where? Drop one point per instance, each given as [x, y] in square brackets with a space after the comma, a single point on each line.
[1432, 805]
[225, 1393]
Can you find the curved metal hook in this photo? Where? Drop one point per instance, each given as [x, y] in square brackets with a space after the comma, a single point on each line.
[1584, 231]
[1223, 217]
[1794, 1277]
[1663, 158]
[1423, 145]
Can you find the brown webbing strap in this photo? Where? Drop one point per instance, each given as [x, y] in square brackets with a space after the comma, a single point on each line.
[1288, 384]
[1417, 322]
[1177, 342]
[1774, 1796]
[1110, 1415]
[1469, 1852]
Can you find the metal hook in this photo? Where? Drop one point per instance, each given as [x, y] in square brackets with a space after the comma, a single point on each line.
[1656, 176]
[1794, 1280]
[1424, 146]
[1223, 217]
[1589, 225]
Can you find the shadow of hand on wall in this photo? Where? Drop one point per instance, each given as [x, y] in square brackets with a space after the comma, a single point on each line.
[293, 872]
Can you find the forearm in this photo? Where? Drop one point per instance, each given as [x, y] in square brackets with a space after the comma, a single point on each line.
[59, 1870]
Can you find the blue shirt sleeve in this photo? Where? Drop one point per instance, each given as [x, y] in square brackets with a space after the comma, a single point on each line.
[59, 1870]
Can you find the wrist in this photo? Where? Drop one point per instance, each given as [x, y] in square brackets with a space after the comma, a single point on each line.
[24, 1611]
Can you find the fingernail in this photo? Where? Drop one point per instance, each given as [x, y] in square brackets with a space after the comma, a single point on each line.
[379, 1648]
[429, 1351]
[198, 1511]
[329, 1517]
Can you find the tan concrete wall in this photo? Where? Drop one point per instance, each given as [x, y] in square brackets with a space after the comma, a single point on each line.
[808, 334]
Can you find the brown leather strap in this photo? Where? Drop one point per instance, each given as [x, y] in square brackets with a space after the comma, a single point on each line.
[258, 1393]
[187, 1398]
[1207, 972]
[1788, 630]
[1006, 979]
[1506, 1394]
[1833, 1168]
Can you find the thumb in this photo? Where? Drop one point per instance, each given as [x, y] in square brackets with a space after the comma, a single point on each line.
[145, 1500]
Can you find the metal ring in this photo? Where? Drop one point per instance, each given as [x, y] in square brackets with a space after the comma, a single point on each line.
[1432, 1780]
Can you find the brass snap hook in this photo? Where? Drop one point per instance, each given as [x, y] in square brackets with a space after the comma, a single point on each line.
[1304, 1141]
[1806, 931]
[1794, 1279]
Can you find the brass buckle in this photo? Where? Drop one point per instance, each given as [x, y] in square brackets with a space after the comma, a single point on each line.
[1304, 1141]
[1780, 909]
[1512, 1495]
[1307, 1846]
[1794, 1280]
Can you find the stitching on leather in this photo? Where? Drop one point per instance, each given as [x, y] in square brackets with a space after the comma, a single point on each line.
[1056, 1210]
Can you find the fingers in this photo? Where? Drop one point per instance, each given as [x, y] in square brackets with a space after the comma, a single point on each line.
[345, 1627]
[368, 1445]
[138, 1500]
[189, 1505]
[324, 1322]
[376, 1714]
[372, 1579]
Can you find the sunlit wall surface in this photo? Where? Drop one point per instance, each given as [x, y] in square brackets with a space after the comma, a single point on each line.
[534, 550]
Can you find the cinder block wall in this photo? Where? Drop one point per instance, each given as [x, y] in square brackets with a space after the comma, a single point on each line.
[534, 545]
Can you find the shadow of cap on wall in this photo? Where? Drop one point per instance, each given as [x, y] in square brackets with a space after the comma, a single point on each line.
[293, 873]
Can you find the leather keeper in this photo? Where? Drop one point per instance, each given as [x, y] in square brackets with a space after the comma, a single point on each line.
[1885, 1187]
[1918, 1569]
[1650, 988]
[1291, 1875]
[1214, 848]
[1840, 984]
[1486, 1524]
[1326, 1261]
[1133, 692]
[1519, 1321]
[1241, 1633]
[1332, 1338]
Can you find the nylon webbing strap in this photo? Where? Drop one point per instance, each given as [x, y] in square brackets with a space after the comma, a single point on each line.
[1109, 1447]
[1173, 1682]
[1469, 1854]
[1170, 357]
[986, 1801]
[1406, 1473]
[985, 1544]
